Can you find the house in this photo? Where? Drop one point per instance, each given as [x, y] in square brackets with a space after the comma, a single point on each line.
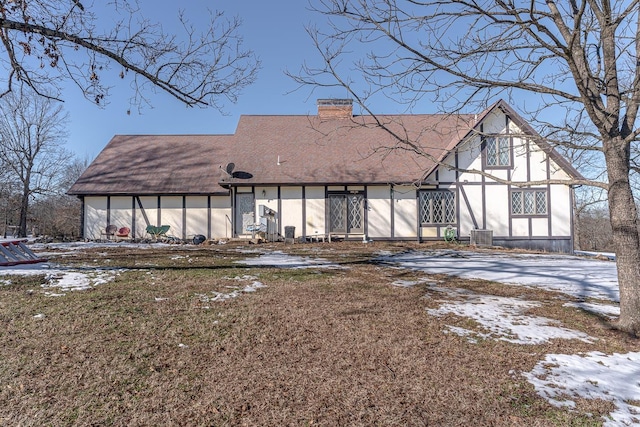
[335, 174]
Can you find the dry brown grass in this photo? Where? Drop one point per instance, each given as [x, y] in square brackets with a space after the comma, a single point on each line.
[315, 347]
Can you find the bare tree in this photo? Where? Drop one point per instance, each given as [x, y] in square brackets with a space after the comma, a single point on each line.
[58, 215]
[8, 186]
[579, 57]
[595, 229]
[45, 42]
[32, 129]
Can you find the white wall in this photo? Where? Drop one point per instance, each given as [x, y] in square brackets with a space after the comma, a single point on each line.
[121, 211]
[405, 208]
[561, 208]
[498, 209]
[538, 163]
[95, 216]
[540, 227]
[474, 196]
[469, 157]
[314, 198]
[520, 227]
[379, 211]
[171, 214]
[291, 206]
[221, 217]
[197, 216]
[150, 205]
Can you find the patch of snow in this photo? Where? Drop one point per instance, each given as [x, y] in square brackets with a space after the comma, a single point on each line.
[614, 378]
[282, 260]
[53, 294]
[607, 310]
[465, 333]
[64, 278]
[410, 283]
[244, 277]
[505, 318]
[609, 255]
[579, 277]
[25, 269]
[39, 316]
[215, 296]
[405, 283]
[253, 287]
[70, 280]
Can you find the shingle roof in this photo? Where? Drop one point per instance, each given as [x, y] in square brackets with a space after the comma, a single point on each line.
[281, 150]
[158, 164]
[311, 150]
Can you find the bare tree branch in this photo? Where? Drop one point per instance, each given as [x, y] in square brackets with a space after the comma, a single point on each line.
[581, 57]
[43, 41]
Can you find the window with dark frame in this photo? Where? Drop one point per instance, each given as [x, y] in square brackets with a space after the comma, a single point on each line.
[497, 151]
[437, 207]
[529, 202]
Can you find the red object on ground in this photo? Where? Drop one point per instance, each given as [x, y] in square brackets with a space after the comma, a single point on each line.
[14, 252]
[123, 232]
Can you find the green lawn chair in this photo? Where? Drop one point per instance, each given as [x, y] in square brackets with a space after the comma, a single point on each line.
[158, 231]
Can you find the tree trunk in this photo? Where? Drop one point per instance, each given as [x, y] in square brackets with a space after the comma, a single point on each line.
[577, 229]
[24, 208]
[624, 223]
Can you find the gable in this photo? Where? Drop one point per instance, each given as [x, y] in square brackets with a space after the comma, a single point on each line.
[529, 152]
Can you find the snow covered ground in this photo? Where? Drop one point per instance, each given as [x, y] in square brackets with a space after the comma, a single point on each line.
[558, 378]
[580, 277]
[282, 260]
[59, 279]
[592, 376]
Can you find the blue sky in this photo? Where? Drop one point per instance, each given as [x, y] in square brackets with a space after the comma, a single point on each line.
[275, 31]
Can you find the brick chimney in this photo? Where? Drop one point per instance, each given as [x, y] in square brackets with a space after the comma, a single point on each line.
[335, 108]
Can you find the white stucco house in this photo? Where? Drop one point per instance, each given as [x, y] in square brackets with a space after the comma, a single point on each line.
[390, 177]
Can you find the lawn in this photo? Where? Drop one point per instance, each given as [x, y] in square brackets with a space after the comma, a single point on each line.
[184, 335]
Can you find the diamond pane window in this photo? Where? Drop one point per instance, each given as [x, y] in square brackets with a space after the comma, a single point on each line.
[492, 158]
[541, 202]
[355, 211]
[497, 151]
[503, 152]
[437, 207]
[529, 206]
[529, 202]
[516, 202]
[346, 213]
[336, 204]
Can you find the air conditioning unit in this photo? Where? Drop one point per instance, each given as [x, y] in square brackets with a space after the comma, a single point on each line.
[481, 238]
